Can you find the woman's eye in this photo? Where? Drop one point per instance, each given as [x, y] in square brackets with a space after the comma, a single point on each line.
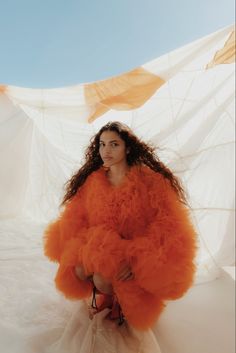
[113, 144]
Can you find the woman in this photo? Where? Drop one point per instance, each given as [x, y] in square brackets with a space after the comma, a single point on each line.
[125, 234]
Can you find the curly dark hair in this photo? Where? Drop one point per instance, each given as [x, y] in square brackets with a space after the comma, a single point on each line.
[139, 153]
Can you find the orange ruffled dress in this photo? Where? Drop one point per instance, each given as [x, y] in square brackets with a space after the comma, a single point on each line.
[140, 221]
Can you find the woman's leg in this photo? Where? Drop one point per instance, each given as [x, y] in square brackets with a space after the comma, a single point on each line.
[99, 281]
[109, 299]
[103, 294]
[105, 298]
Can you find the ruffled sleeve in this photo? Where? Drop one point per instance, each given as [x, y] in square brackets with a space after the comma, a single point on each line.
[63, 238]
[163, 256]
[70, 224]
[104, 251]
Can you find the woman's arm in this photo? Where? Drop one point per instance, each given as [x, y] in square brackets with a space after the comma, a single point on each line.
[69, 225]
[63, 239]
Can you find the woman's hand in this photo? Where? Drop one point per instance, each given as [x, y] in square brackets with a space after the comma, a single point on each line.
[125, 273]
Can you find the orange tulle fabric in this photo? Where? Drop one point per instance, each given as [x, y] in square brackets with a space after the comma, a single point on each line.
[142, 222]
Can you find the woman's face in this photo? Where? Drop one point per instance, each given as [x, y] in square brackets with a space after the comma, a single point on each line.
[112, 148]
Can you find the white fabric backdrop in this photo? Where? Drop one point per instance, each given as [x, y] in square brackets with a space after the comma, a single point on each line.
[44, 133]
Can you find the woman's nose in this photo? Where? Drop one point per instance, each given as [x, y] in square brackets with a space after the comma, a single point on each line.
[106, 149]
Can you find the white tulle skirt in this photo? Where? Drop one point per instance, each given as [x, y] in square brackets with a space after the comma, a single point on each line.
[97, 335]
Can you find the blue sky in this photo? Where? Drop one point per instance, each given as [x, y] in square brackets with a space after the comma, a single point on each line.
[56, 43]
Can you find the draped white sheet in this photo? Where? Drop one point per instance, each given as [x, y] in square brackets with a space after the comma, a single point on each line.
[42, 139]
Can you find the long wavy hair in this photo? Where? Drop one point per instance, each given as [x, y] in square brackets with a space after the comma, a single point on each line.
[139, 153]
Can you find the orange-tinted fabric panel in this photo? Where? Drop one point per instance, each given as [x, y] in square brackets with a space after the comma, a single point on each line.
[2, 89]
[226, 55]
[125, 92]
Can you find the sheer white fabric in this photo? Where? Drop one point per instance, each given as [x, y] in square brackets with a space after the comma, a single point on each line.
[43, 137]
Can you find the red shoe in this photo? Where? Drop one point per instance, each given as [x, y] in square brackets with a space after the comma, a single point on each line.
[116, 312]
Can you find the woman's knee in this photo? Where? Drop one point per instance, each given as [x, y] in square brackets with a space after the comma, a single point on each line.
[79, 271]
[101, 284]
